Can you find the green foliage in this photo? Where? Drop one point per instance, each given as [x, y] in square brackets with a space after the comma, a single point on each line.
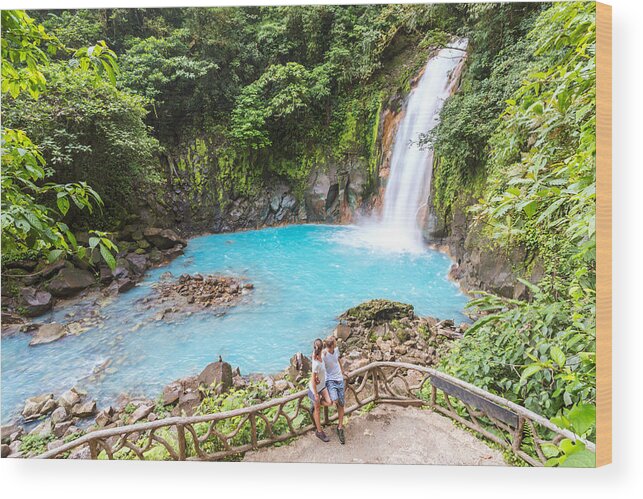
[540, 195]
[28, 224]
[86, 128]
[539, 354]
[34, 444]
[279, 105]
[162, 69]
[580, 419]
[471, 116]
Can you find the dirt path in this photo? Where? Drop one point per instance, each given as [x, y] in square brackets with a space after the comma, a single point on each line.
[388, 435]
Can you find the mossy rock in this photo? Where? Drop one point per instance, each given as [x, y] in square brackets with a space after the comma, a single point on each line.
[379, 311]
[403, 335]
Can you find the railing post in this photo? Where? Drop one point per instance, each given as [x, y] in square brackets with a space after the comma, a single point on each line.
[253, 430]
[376, 392]
[517, 442]
[180, 431]
[93, 450]
[434, 395]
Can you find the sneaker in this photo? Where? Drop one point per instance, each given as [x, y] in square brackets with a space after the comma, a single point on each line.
[340, 434]
[322, 436]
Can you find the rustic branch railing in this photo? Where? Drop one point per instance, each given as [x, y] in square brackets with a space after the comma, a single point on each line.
[229, 434]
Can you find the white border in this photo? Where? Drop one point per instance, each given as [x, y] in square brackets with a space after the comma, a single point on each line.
[95, 480]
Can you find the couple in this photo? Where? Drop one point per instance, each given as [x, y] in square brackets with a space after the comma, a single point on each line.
[327, 385]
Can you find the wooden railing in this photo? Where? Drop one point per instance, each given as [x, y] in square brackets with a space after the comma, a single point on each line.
[228, 435]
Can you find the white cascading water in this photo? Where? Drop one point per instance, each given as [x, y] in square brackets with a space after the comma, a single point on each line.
[409, 181]
[409, 184]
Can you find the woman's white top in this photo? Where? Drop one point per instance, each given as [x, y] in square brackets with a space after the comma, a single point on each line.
[320, 370]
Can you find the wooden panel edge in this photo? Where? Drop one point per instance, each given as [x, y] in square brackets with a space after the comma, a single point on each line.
[603, 234]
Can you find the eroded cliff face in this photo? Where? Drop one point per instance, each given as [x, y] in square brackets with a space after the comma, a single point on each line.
[479, 264]
[193, 199]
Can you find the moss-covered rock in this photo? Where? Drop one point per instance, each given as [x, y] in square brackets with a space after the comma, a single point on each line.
[379, 311]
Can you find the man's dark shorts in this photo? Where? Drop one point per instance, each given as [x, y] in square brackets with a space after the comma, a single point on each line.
[336, 390]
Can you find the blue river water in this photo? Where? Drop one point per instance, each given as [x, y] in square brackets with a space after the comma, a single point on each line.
[304, 276]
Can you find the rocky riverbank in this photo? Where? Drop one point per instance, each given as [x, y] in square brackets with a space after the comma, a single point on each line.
[373, 331]
[31, 289]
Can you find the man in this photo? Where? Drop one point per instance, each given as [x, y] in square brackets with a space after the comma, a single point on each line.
[335, 382]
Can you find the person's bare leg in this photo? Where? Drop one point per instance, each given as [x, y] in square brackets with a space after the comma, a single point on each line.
[325, 398]
[316, 417]
[340, 416]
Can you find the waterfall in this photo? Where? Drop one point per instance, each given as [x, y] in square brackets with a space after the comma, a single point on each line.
[409, 184]
[407, 192]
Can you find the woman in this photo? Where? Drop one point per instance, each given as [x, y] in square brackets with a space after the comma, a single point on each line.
[317, 391]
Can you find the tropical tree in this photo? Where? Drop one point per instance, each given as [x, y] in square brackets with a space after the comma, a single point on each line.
[27, 223]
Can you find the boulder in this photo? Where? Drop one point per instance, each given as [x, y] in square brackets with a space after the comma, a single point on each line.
[124, 285]
[84, 409]
[171, 393]
[60, 430]
[342, 332]
[59, 415]
[300, 366]
[38, 406]
[55, 444]
[104, 417]
[190, 384]
[281, 385]
[106, 275]
[217, 375]
[156, 256]
[70, 281]
[173, 252]
[140, 412]
[138, 263]
[5, 450]
[163, 239]
[120, 272]
[187, 404]
[239, 382]
[15, 449]
[378, 311]
[35, 302]
[275, 201]
[9, 432]
[69, 399]
[43, 429]
[48, 270]
[81, 452]
[48, 333]
[72, 430]
[354, 360]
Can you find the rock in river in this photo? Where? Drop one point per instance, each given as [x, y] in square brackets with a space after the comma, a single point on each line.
[38, 406]
[70, 281]
[48, 333]
[84, 409]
